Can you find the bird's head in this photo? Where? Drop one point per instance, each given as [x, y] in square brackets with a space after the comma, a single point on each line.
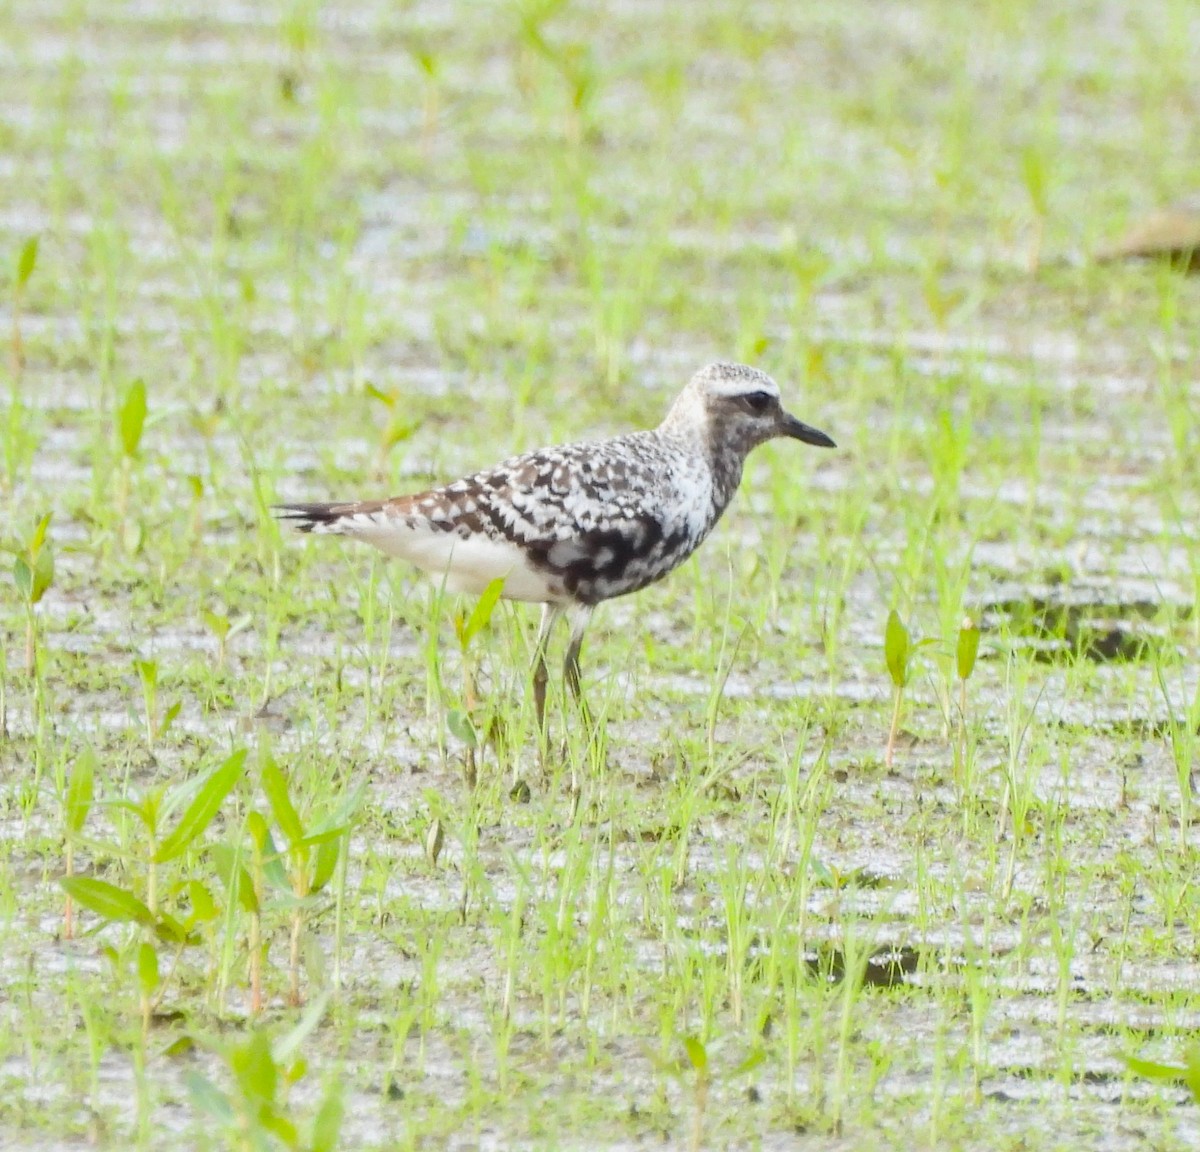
[738, 408]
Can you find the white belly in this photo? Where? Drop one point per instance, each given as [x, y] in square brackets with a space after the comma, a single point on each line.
[467, 565]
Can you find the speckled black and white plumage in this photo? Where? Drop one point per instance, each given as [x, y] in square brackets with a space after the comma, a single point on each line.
[572, 526]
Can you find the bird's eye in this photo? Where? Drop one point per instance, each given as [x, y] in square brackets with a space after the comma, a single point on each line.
[757, 402]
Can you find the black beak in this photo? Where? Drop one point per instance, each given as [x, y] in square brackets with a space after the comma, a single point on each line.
[798, 430]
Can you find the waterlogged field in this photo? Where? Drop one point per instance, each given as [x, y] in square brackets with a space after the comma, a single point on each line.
[280, 867]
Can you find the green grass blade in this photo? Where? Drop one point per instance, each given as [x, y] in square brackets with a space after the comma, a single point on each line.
[80, 791]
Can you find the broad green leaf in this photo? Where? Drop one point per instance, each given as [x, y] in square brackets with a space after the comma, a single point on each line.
[218, 625]
[895, 649]
[204, 806]
[27, 261]
[43, 575]
[697, 1054]
[204, 907]
[235, 877]
[131, 417]
[80, 791]
[23, 578]
[171, 931]
[254, 1069]
[275, 788]
[327, 858]
[147, 671]
[460, 725]
[38, 537]
[296, 1070]
[435, 837]
[272, 863]
[968, 648]
[327, 1124]
[256, 825]
[279, 1125]
[107, 900]
[1033, 169]
[481, 614]
[275, 873]
[147, 968]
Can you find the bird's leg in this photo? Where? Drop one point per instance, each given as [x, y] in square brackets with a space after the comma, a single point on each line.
[571, 667]
[550, 613]
[579, 622]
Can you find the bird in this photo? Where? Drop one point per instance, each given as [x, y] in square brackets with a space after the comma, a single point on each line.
[572, 526]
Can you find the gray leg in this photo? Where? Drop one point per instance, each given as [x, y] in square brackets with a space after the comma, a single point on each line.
[550, 614]
[579, 623]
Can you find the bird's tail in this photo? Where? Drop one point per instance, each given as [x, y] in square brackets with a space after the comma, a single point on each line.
[337, 519]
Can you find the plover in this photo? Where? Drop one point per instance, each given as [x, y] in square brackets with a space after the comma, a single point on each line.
[572, 526]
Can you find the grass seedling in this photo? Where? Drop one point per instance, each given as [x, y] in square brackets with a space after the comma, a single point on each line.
[26, 262]
[130, 424]
[697, 1063]
[76, 804]
[204, 797]
[309, 859]
[697, 1058]
[242, 893]
[33, 573]
[899, 652]
[574, 62]
[251, 892]
[1033, 173]
[399, 425]
[430, 66]
[1020, 770]
[965, 653]
[20, 437]
[462, 722]
[1183, 730]
[224, 629]
[156, 725]
[943, 302]
[724, 669]
[435, 838]
[253, 1114]
[117, 906]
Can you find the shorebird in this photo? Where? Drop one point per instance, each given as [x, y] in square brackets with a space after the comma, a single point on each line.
[573, 526]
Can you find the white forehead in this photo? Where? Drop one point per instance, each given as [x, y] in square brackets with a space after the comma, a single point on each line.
[733, 380]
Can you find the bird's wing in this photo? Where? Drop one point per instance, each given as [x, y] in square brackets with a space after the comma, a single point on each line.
[594, 520]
